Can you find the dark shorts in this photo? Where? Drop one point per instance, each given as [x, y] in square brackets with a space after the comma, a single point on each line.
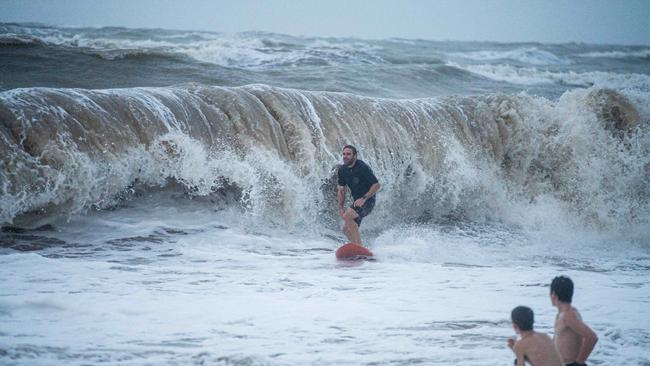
[526, 361]
[364, 210]
[576, 364]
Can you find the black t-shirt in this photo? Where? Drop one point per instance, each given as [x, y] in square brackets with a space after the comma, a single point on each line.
[359, 178]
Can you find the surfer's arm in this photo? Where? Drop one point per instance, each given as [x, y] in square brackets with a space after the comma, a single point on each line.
[340, 197]
[370, 178]
[362, 200]
[371, 192]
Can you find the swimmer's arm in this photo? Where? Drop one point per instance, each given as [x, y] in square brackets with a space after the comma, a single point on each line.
[520, 352]
[518, 349]
[589, 338]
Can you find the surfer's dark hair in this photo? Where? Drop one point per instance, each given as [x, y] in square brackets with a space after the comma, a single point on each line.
[354, 149]
[523, 317]
[563, 288]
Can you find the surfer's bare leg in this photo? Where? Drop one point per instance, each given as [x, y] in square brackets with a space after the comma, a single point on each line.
[350, 227]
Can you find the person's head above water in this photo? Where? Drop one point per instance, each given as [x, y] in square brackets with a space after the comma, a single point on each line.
[349, 155]
[523, 318]
[562, 287]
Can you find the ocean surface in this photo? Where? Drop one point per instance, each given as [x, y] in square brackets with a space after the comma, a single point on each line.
[168, 197]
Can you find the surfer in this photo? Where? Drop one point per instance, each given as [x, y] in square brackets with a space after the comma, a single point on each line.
[573, 338]
[359, 178]
[534, 348]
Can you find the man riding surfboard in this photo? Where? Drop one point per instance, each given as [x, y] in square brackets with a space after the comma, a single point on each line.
[359, 178]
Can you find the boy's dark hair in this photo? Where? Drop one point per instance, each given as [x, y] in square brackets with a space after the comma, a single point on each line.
[563, 288]
[354, 149]
[523, 317]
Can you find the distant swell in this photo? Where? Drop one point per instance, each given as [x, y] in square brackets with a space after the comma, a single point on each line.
[18, 40]
[244, 50]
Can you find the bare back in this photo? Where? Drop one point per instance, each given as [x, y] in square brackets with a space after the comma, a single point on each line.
[567, 341]
[539, 349]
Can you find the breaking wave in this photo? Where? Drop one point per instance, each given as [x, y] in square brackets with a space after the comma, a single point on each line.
[272, 152]
[532, 76]
[528, 55]
[643, 53]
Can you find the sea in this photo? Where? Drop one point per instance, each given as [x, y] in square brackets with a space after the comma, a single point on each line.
[169, 197]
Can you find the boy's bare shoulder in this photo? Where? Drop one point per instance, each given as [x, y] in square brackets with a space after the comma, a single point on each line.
[544, 338]
[568, 315]
[526, 343]
[571, 315]
[521, 345]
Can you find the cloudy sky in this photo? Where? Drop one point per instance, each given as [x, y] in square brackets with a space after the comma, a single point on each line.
[591, 21]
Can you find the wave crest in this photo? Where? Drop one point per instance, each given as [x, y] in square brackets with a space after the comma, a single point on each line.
[527, 55]
[532, 76]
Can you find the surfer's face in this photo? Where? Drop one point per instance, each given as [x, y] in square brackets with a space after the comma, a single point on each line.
[348, 157]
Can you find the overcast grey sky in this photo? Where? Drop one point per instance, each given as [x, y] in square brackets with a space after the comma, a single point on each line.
[591, 21]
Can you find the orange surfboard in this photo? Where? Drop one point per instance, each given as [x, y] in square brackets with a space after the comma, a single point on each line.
[351, 251]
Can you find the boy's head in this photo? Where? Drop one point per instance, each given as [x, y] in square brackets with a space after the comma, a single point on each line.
[562, 288]
[523, 318]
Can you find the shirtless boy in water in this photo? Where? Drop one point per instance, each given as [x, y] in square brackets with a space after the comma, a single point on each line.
[535, 348]
[573, 338]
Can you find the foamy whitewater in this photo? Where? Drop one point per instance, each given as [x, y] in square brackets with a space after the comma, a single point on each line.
[168, 197]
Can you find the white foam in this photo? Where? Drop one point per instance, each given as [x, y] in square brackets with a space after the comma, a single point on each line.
[221, 294]
[532, 76]
[617, 54]
[528, 55]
